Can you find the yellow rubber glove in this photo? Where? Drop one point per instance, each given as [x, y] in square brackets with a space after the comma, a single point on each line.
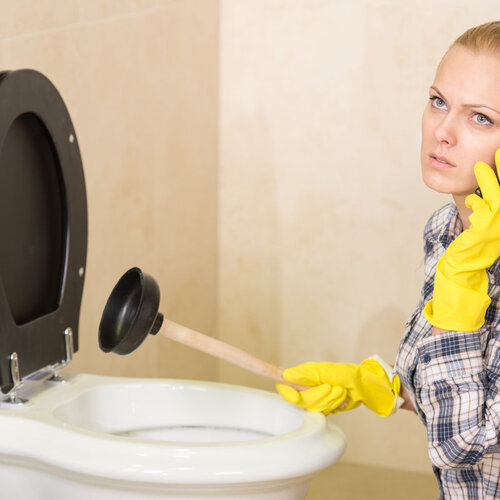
[460, 297]
[343, 386]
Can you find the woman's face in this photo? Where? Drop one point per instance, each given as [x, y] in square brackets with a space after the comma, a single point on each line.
[461, 122]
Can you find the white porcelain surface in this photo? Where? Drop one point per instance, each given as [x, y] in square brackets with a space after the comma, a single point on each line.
[159, 438]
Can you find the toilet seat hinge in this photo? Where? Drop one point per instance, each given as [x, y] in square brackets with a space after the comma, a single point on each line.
[12, 397]
[68, 343]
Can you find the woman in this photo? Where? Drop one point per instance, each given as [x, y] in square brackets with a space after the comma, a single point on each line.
[448, 365]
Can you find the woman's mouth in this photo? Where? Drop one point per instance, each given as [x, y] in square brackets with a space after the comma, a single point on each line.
[440, 162]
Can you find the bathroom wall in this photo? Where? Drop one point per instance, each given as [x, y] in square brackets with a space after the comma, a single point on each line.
[321, 207]
[140, 78]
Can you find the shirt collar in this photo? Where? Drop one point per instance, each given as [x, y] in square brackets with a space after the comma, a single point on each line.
[449, 227]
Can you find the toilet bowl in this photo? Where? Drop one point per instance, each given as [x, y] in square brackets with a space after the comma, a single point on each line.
[108, 438]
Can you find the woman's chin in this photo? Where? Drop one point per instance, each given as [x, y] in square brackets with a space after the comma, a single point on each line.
[436, 184]
[447, 188]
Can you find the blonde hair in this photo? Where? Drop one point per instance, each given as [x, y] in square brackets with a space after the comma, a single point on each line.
[483, 37]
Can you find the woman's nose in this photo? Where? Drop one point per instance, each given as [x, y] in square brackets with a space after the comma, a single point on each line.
[445, 131]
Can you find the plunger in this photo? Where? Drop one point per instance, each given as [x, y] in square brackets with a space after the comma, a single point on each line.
[131, 314]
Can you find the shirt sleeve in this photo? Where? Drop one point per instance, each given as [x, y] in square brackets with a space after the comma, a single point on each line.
[459, 394]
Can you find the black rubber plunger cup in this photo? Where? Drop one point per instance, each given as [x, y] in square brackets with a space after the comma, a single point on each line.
[131, 313]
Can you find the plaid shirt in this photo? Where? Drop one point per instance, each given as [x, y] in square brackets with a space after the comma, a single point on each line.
[454, 380]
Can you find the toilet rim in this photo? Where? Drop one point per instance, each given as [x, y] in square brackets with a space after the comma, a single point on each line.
[313, 446]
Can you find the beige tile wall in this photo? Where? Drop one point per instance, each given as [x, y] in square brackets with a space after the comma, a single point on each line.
[140, 79]
[321, 205]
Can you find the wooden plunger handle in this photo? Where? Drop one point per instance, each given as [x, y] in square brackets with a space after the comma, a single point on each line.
[226, 352]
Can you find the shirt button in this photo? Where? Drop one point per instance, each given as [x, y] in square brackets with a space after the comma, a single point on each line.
[427, 358]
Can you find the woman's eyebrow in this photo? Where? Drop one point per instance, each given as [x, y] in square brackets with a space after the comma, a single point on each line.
[466, 105]
[481, 106]
[437, 92]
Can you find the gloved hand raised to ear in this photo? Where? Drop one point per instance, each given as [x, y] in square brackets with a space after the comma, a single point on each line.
[460, 297]
[343, 386]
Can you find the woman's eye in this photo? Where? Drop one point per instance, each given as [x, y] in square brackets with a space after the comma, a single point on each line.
[481, 119]
[437, 102]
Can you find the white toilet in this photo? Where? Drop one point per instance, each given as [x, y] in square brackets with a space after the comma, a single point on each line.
[106, 438]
